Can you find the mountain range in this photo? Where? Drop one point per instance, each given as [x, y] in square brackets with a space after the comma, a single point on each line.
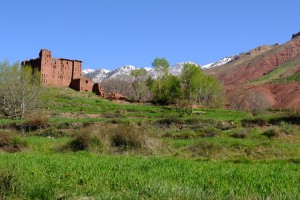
[123, 72]
[271, 70]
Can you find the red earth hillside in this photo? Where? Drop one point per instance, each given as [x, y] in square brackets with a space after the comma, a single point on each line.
[264, 70]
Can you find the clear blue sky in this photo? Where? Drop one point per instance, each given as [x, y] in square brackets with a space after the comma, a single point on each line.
[111, 33]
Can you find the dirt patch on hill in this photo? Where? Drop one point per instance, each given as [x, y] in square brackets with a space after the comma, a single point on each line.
[277, 95]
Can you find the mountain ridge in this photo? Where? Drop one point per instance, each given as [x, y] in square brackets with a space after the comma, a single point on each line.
[271, 70]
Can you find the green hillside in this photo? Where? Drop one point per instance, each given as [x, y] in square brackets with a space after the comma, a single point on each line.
[80, 146]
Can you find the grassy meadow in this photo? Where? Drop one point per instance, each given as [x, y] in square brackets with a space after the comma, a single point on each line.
[80, 146]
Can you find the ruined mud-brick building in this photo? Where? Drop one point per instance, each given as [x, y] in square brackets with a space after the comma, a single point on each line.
[67, 73]
[60, 71]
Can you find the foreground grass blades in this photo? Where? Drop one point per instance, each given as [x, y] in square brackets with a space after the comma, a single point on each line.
[104, 177]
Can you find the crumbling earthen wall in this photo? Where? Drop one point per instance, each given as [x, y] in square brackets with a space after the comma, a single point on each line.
[59, 71]
[99, 89]
[82, 84]
[67, 73]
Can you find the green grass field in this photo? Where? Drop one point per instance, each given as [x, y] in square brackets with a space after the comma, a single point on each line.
[90, 148]
[74, 176]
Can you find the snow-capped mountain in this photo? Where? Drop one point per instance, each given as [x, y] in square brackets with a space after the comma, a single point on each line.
[86, 71]
[177, 68]
[103, 74]
[124, 71]
[96, 75]
[121, 71]
[220, 62]
[207, 66]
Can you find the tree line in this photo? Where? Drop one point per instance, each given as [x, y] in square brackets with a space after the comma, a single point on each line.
[191, 87]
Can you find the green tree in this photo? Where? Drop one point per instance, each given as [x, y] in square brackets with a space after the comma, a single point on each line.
[161, 66]
[19, 90]
[191, 77]
[210, 92]
[199, 88]
[167, 90]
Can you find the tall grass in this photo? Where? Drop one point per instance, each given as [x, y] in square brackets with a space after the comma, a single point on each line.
[85, 175]
[114, 138]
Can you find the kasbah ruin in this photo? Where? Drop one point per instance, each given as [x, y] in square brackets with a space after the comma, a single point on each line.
[61, 72]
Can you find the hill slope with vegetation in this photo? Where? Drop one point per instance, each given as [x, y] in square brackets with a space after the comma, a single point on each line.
[81, 146]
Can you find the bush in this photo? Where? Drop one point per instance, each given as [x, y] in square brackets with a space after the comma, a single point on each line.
[224, 126]
[239, 134]
[33, 122]
[210, 132]
[291, 118]
[86, 139]
[112, 138]
[193, 121]
[5, 138]
[11, 143]
[254, 122]
[271, 133]
[288, 128]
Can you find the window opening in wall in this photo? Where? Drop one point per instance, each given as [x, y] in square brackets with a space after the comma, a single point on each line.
[86, 81]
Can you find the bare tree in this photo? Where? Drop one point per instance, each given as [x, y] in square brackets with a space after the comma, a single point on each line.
[257, 104]
[238, 98]
[118, 85]
[20, 88]
[248, 100]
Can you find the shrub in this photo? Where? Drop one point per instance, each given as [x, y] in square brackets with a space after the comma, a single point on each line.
[193, 121]
[271, 133]
[288, 128]
[33, 122]
[114, 139]
[85, 139]
[127, 137]
[239, 134]
[5, 138]
[210, 132]
[224, 126]
[10, 142]
[291, 118]
[254, 122]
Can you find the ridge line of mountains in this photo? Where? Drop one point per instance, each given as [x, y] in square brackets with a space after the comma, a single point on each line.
[271, 70]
